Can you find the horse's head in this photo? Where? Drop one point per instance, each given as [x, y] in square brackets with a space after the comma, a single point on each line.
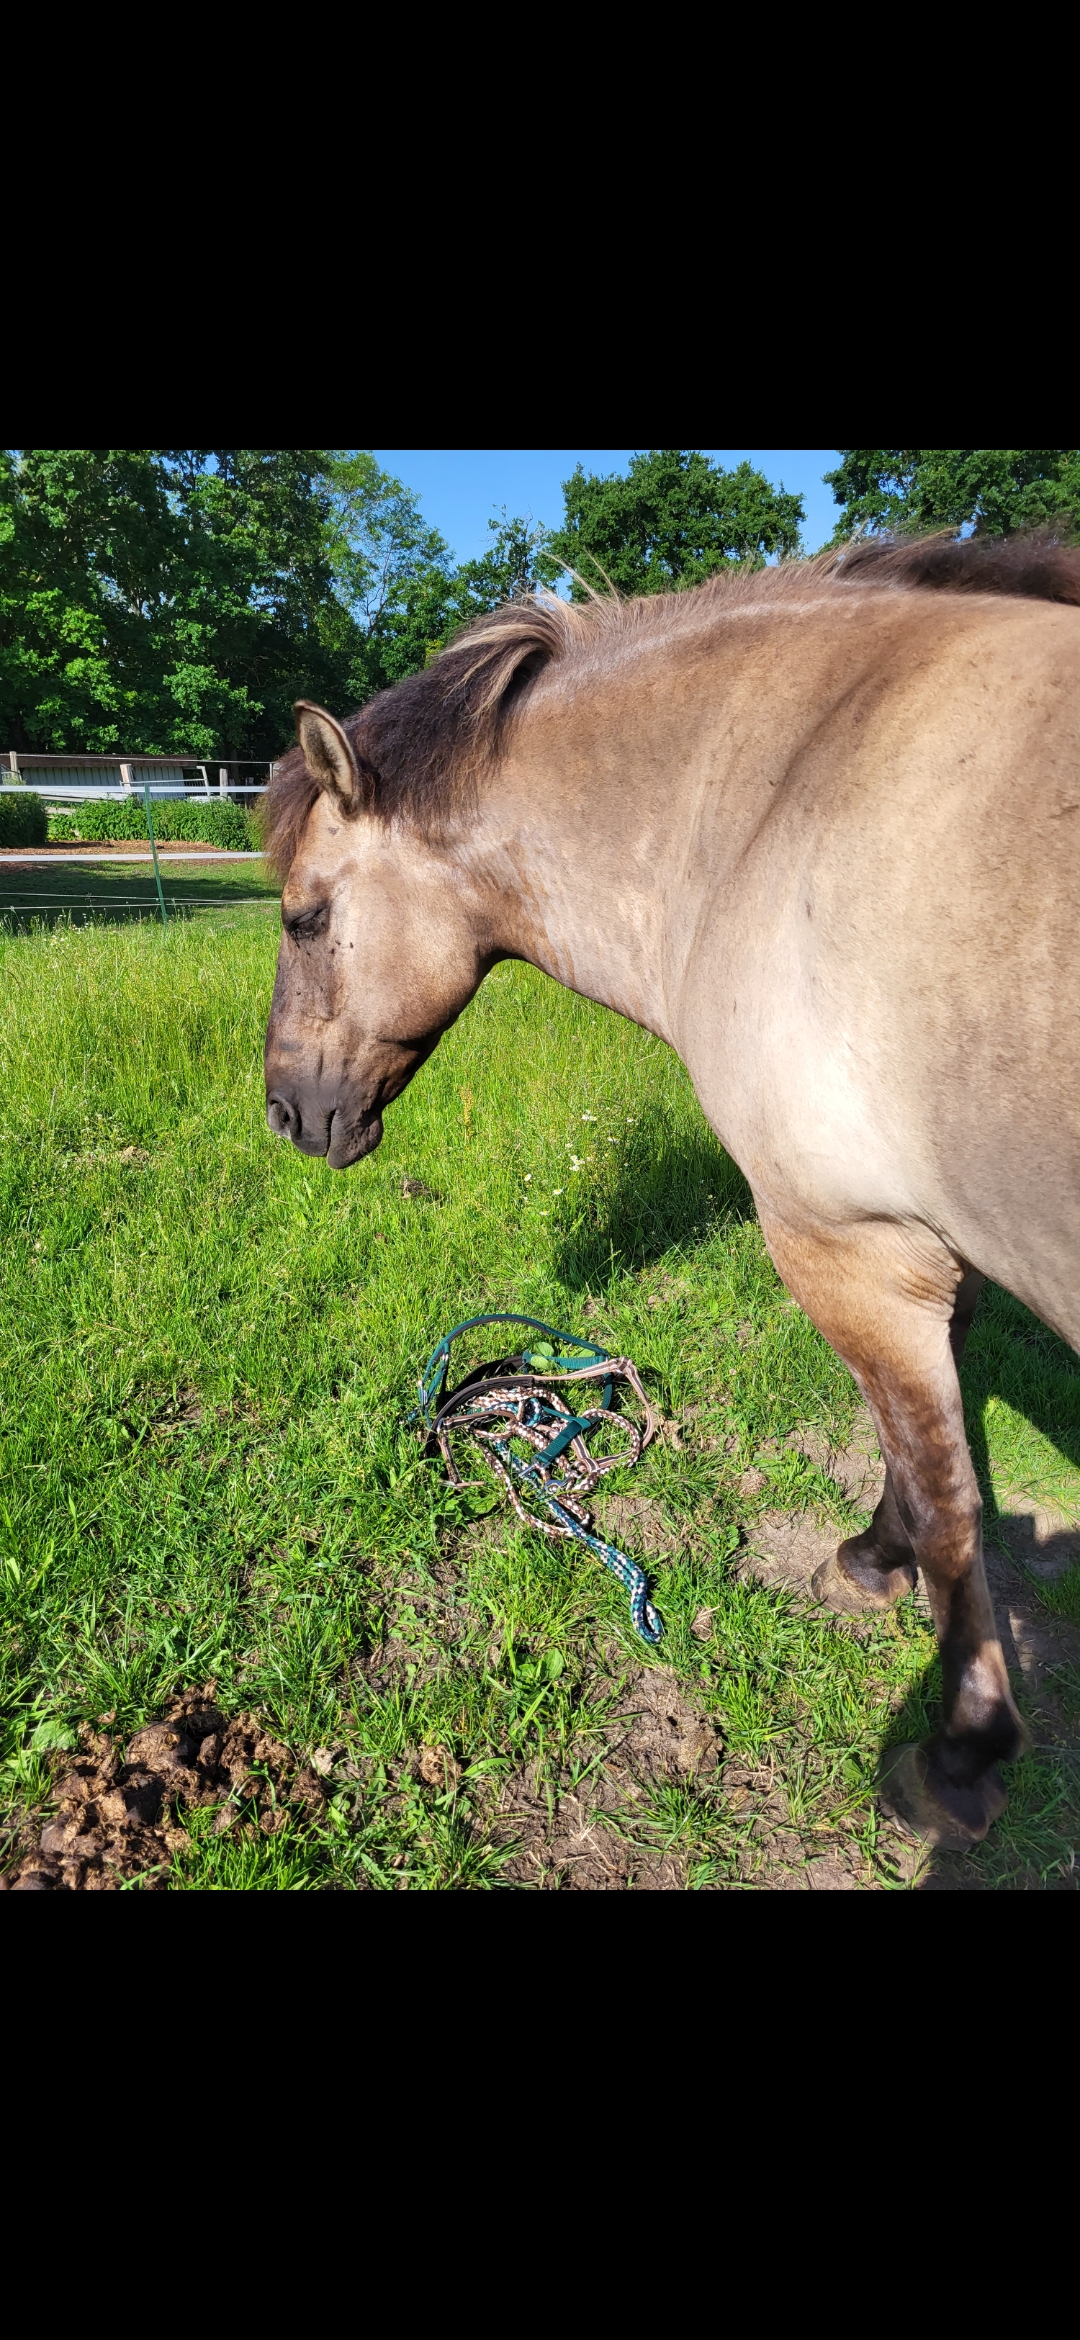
[379, 954]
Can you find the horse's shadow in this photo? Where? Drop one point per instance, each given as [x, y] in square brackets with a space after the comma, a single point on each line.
[1012, 1356]
[666, 1197]
[670, 1194]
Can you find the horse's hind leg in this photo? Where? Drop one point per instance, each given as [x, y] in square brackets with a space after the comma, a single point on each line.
[875, 1569]
[884, 1296]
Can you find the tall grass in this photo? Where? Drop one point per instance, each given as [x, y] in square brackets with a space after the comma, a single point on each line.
[208, 1342]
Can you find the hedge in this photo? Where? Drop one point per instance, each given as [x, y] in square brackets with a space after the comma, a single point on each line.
[122, 823]
[23, 818]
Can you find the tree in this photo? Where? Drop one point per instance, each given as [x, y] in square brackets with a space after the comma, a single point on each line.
[426, 606]
[86, 542]
[166, 601]
[674, 519]
[992, 489]
[377, 538]
[178, 600]
[253, 621]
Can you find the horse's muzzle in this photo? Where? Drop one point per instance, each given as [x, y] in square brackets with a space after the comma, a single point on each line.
[351, 1140]
[337, 1137]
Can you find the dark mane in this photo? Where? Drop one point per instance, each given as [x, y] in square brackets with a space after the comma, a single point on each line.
[1038, 563]
[429, 739]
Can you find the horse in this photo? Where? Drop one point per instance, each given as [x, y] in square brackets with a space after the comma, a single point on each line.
[818, 827]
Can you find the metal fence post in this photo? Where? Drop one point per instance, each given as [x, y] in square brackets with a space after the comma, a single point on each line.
[153, 849]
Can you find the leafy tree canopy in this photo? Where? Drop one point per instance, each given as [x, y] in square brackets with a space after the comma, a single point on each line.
[163, 600]
[992, 489]
[178, 600]
[672, 520]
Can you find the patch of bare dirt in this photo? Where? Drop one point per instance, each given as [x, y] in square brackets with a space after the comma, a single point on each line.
[116, 849]
[856, 1468]
[131, 1158]
[185, 1409]
[785, 1547]
[1036, 1645]
[1041, 1537]
[635, 1523]
[829, 1873]
[118, 1816]
[585, 1840]
[184, 1406]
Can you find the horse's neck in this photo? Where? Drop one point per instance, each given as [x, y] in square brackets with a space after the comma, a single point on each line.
[580, 872]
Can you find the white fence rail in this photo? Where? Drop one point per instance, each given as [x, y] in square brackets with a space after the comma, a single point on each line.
[74, 779]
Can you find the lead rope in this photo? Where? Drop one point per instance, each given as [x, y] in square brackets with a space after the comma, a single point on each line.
[511, 1399]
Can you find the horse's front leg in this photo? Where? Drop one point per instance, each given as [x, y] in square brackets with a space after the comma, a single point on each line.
[875, 1569]
[885, 1298]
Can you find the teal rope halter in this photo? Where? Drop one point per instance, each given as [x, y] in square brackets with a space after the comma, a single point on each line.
[510, 1400]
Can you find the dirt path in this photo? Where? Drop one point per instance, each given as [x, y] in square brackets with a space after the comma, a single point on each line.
[41, 856]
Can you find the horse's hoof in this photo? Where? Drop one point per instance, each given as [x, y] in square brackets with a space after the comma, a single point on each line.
[833, 1584]
[925, 1805]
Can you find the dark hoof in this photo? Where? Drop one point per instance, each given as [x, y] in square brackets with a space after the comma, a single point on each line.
[932, 1809]
[862, 1587]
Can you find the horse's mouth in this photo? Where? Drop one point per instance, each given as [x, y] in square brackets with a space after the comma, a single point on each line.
[351, 1140]
[340, 1139]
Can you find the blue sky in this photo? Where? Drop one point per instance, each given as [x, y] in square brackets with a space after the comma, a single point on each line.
[462, 488]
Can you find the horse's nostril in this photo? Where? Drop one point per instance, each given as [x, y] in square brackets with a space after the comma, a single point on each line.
[283, 1117]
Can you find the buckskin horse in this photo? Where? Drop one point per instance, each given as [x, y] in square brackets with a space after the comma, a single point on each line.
[819, 828]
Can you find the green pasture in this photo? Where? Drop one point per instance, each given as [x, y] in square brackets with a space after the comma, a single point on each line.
[52, 892]
[207, 1346]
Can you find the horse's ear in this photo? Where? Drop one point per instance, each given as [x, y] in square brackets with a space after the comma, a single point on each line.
[331, 760]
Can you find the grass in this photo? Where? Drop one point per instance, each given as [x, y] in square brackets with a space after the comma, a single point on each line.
[208, 1343]
[36, 898]
[1062, 1596]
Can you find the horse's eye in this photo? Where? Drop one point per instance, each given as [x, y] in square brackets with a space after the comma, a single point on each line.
[309, 925]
